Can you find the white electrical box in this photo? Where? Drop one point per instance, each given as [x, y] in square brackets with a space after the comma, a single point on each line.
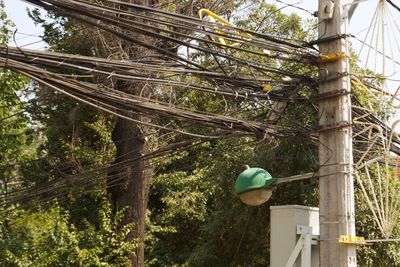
[284, 233]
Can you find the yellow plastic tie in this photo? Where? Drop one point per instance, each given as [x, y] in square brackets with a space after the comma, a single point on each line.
[354, 240]
[267, 87]
[331, 57]
[214, 17]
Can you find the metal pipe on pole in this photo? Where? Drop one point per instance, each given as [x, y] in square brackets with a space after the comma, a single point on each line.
[336, 190]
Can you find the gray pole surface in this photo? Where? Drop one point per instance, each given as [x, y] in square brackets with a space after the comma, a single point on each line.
[336, 190]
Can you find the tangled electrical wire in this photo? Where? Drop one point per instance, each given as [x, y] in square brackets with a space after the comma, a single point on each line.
[181, 30]
[124, 104]
[267, 85]
[265, 82]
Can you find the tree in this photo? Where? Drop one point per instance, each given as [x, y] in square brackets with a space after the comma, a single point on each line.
[48, 234]
[192, 207]
[128, 187]
[13, 122]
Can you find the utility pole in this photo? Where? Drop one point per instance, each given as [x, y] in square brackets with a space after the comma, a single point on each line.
[336, 191]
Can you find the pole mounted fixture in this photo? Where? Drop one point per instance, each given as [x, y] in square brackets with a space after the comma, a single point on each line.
[254, 186]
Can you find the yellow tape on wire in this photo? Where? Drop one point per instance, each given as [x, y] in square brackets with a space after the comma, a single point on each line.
[214, 18]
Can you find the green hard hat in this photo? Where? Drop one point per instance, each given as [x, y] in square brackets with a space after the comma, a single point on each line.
[253, 178]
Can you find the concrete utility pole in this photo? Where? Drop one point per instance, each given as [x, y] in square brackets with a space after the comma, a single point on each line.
[336, 197]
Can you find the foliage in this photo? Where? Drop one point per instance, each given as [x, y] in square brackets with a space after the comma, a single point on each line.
[15, 133]
[194, 216]
[50, 136]
[47, 238]
[380, 253]
[193, 207]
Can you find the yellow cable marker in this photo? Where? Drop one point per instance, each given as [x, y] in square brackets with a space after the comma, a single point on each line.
[267, 87]
[214, 18]
[331, 57]
[354, 240]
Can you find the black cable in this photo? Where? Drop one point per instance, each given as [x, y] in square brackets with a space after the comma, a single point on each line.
[394, 5]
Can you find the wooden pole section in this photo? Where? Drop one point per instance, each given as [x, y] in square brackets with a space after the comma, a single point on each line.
[336, 190]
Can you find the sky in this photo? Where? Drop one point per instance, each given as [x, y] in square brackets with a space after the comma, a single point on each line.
[27, 34]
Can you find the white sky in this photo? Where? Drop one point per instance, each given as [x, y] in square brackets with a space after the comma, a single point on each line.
[27, 34]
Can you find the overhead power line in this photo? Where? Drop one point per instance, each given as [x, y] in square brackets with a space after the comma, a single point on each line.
[394, 5]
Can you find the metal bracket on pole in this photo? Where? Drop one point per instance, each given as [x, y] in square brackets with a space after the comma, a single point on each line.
[303, 245]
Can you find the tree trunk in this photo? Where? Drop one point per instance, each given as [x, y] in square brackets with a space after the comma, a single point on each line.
[129, 187]
[133, 182]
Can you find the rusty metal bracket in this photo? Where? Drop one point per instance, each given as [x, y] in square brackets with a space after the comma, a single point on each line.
[335, 126]
[332, 94]
[329, 39]
[335, 76]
